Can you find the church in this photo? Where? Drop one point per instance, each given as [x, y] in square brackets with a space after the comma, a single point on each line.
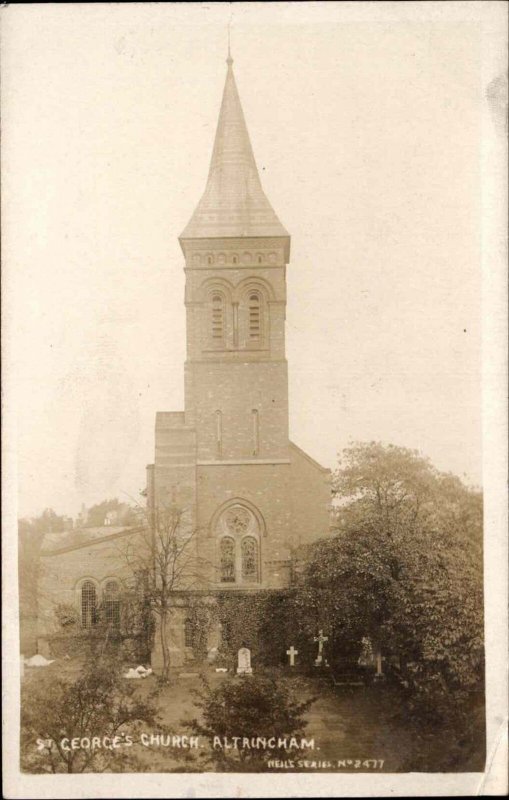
[251, 494]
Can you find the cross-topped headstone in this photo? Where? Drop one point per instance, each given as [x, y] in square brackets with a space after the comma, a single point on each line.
[321, 639]
[379, 658]
[292, 652]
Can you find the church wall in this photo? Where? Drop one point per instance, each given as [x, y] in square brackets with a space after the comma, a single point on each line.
[62, 573]
[267, 487]
[175, 458]
[311, 497]
[235, 390]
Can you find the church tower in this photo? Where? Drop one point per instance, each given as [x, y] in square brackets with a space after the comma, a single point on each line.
[254, 495]
[236, 251]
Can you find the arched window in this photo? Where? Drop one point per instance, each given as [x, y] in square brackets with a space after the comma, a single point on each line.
[209, 259]
[217, 319]
[111, 602]
[249, 555]
[238, 529]
[227, 560]
[234, 260]
[255, 317]
[188, 633]
[88, 604]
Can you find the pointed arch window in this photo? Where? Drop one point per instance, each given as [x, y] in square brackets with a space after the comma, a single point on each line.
[227, 560]
[88, 604]
[218, 319]
[255, 317]
[249, 557]
[111, 602]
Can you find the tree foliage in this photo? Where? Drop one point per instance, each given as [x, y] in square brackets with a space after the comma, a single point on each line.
[57, 710]
[247, 707]
[404, 567]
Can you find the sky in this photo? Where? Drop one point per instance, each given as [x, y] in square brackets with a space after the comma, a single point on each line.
[365, 125]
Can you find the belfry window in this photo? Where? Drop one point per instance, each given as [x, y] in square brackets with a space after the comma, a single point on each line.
[254, 317]
[249, 555]
[111, 602]
[88, 605]
[217, 319]
[227, 560]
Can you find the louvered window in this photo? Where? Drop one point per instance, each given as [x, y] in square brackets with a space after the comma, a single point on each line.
[254, 318]
[217, 319]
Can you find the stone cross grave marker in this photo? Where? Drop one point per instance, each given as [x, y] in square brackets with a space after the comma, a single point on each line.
[292, 652]
[321, 639]
[244, 661]
[379, 674]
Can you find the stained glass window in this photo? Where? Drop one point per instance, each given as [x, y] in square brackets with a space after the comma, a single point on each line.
[249, 559]
[227, 560]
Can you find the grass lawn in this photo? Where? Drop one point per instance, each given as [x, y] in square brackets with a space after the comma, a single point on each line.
[347, 725]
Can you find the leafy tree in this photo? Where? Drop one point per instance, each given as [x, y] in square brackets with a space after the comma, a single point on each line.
[55, 710]
[404, 567]
[243, 706]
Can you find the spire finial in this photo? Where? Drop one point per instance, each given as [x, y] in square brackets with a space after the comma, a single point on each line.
[229, 60]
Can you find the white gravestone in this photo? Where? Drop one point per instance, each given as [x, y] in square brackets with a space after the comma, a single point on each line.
[244, 661]
[292, 652]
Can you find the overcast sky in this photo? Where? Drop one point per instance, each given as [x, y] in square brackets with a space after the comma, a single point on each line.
[366, 131]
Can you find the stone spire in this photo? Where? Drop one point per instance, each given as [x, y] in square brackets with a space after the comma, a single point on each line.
[234, 203]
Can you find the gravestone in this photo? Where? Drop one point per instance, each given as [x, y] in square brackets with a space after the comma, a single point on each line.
[292, 652]
[244, 661]
[321, 639]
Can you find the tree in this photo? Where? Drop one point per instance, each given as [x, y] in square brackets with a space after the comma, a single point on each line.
[403, 567]
[165, 559]
[86, 724]
[243, 706]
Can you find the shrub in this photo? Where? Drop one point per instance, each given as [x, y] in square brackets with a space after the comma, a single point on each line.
[248, 707]
[55, 709]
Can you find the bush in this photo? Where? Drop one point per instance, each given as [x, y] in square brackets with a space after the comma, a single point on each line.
[98, 703]
[248, 707]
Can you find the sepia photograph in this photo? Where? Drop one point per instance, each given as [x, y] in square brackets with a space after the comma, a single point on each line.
[252, 516]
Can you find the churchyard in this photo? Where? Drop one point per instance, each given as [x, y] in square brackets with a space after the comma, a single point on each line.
[374, 652]
[351, 725]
